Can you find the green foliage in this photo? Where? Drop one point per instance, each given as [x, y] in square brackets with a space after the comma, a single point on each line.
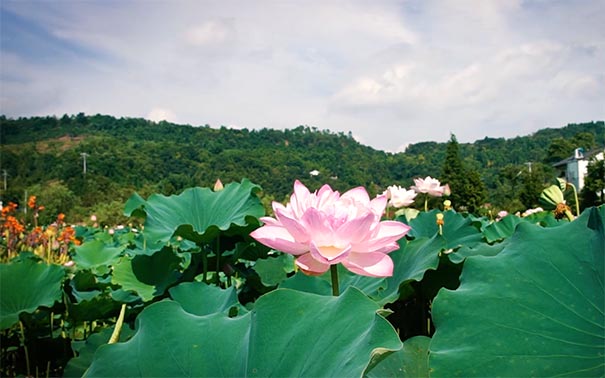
[468, 190]
[303, 330]
[198, 214]
[541, 301]
[593, 193]
[410, 361]
[127, 155]
[26, 285]
[206, 300]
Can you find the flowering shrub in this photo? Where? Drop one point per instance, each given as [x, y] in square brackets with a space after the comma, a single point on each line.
[51, 242]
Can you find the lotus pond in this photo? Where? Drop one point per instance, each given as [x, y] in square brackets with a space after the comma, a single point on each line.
[187, 291]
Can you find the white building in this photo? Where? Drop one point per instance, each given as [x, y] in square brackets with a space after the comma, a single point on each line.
[574, 168]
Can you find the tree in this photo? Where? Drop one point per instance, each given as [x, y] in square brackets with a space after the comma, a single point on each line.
[468, 190]
[559, 149]
[584, 140]
[593, 192]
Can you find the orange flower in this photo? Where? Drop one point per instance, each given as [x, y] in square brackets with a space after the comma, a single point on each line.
[13, 225]
[68, 235]
[10, 208]
[31, 203]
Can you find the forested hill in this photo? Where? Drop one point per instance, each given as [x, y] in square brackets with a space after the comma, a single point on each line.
[44, 156]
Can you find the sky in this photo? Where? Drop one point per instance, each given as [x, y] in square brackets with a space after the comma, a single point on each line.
[390, 72]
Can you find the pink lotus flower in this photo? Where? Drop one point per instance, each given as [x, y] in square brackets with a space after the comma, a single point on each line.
[431, 186]
[325, 228]
[400, 197]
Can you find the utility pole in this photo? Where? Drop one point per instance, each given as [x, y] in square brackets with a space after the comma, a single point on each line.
[84, 155]
[529, 166]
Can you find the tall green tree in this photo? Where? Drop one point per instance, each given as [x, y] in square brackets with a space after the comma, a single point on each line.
[468, 190]
[593, 192]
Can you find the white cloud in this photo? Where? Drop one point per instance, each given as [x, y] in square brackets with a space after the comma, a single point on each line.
[162, 114]
[209, 32]
[392, 73]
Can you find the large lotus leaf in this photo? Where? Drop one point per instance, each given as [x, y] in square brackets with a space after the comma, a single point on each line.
[545, 219]
[25, 286]
[288, 333]
[198, 298]
[148, 276]
[457, 229]
[198, 214]
[410, 361]
[501, 229]
[535, 309]
[99, 306]
[371, 286]
[482, 249]
[95, 253]
[274, 270]
[410, 262]
[76, 367]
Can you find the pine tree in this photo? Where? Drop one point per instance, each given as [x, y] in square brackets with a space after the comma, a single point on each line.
[468, 190]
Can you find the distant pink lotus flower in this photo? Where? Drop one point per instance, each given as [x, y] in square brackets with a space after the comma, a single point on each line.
[400, 197]
[430, 186]
[325, 228]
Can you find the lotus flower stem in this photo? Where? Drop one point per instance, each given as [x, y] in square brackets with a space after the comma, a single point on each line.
[204, 265]
[575, 195]
[217, 252]
[334, 274]
[115, 336]
[25, 348]
[52, 315]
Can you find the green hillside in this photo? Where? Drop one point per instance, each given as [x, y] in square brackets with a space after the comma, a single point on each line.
[43, 156]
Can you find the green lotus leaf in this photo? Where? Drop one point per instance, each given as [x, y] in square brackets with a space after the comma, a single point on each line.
[501, 229]
[200, 299]
[274, 270]
[95, 253]
[410, 262]
[148, 276]
[544, 219]
[25, 286]
[76, 367]
[312, 284]
[483, 249]
[535, 309]
[198, 214]
[457, 229]
[100, 306]
[288, 333]
[410, 361]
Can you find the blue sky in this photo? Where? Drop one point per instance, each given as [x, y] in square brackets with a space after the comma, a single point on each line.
[391, 72]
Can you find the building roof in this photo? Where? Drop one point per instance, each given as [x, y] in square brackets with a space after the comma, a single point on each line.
[581, 156]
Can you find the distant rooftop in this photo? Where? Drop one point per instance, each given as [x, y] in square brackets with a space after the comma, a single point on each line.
[579, 154]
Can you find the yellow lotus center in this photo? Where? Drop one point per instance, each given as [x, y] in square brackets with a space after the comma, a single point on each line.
[330, 252]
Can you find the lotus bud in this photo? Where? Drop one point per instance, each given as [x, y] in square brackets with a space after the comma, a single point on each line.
[440, 223]
[218, 185]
